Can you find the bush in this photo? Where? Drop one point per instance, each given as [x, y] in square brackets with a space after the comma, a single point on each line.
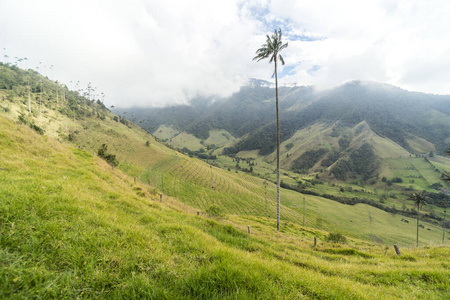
[110, 158]
[214, 211]
[397, 180]
[336, 238]
[37, 128]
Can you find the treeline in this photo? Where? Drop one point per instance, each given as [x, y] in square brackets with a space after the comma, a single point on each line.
[429, 217]
[199, 153]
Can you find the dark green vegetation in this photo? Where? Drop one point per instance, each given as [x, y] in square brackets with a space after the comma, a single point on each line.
[73, 227]
[110, 158]
[360, 162]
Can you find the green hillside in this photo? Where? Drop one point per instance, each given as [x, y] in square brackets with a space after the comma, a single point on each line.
[393, 121]
[88, 124]
[373, 142]
[74, 226]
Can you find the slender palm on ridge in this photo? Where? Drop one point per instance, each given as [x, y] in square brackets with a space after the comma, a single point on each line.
[271, 50]
[419, 199]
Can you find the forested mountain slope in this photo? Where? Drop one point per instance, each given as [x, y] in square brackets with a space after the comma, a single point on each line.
[391, 118]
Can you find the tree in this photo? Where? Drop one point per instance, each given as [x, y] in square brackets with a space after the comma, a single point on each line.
[419, 201]
[271, 50]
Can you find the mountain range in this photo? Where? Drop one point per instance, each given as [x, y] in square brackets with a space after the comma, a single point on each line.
[346, 132]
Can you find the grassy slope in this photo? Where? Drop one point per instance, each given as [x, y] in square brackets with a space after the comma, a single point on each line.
[73, 227]
[165, 132]
[189, 180]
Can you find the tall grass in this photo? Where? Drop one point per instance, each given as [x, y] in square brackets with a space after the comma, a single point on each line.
[71, 227]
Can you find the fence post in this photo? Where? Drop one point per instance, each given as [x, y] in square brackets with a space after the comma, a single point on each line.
[249, 230]
[198, 213]
[160, 197]
[397, 250]
[135, 179]
[315, 242]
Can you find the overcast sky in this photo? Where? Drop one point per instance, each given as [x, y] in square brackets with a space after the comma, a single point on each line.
[159, 52]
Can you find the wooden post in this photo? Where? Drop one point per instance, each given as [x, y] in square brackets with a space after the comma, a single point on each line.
[198, 213]
[249, 230]
[135, 179]
[112, 167]
[397, 250]
[315, 242]
[160, 198]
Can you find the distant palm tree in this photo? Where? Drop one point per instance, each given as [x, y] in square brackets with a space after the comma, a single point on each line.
[271, 50]
[419, 201]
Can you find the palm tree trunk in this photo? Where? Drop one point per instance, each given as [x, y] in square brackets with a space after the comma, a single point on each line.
[417, 240]
[278, 147]
[443, 227]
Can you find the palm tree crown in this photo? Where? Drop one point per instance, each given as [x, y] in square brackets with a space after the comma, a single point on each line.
[419, 199]
[271, 48]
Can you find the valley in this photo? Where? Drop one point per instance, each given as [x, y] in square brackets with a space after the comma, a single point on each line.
[75, 226]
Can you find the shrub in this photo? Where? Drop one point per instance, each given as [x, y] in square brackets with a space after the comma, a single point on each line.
[110, 158]
[397, 180]
[214, 211]
[37, 128]
[336, 238]
[22, 119]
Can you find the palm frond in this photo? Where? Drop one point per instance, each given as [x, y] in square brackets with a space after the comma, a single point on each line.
[271, 48]
[419, 199]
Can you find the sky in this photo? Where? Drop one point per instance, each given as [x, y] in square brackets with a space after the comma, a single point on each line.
[158, 53]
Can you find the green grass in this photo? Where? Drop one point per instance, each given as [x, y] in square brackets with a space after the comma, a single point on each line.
[164, 132]
[73, 227]
[189, 180]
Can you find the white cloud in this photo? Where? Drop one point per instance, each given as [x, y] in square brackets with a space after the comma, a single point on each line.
[143, 52]
[404, 43]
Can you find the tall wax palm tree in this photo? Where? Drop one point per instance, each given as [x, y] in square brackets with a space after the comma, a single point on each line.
[419, 201]
[271, 50]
